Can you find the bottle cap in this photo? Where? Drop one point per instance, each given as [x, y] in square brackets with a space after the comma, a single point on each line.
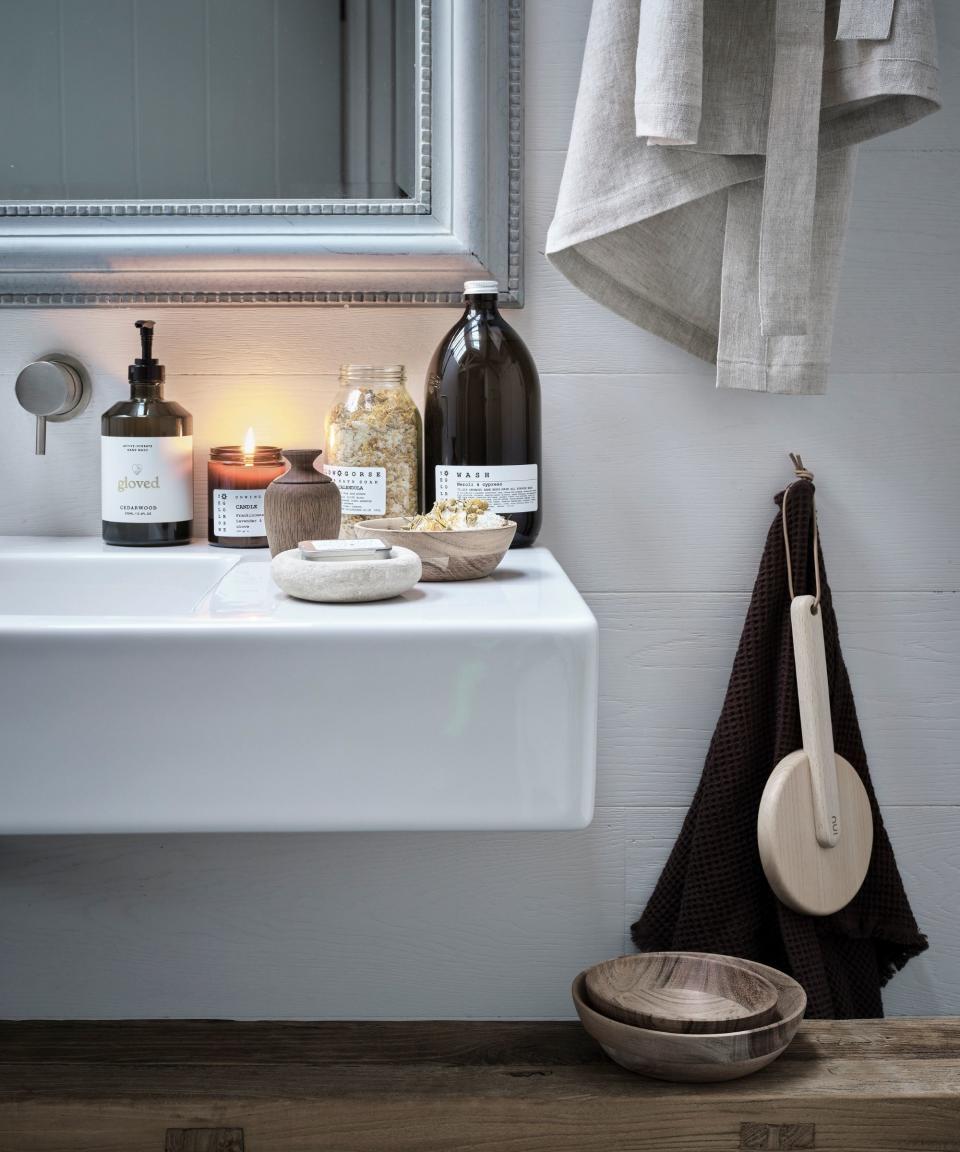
[480, 288]
[145, 370]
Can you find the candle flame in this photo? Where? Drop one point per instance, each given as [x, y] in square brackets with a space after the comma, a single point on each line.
[249, 448]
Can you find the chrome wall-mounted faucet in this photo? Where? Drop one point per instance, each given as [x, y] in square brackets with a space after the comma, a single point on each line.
[54, 388]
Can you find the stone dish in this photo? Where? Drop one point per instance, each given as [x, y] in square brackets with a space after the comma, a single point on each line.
[345, 581]
[700, 1058]
[677, 992]
[458, 555]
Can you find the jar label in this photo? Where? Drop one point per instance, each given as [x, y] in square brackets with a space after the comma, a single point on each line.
[505, 487]
[238, 513]
[363, 491]
[146, 480]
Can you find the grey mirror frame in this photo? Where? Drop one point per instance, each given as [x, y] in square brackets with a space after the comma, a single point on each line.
[464, 221]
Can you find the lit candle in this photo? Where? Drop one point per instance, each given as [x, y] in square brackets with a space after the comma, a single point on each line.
[237, 478]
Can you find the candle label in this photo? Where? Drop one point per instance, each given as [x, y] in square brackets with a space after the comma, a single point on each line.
[147, 479]
[237, 512]
[363, 491]
[505, 487]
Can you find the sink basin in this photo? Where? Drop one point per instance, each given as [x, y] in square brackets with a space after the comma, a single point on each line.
[61, 583]
[180, 690]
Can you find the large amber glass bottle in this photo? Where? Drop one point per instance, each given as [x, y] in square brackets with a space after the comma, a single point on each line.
[482, 416]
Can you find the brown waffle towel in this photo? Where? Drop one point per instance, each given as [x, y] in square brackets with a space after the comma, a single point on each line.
[712, 895]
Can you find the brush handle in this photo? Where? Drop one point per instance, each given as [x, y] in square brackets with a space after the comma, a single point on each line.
[813, 691]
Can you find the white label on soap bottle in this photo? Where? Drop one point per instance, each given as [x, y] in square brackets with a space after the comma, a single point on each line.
[238, 512]
[147, 480]
[363, 491]
[505, 487]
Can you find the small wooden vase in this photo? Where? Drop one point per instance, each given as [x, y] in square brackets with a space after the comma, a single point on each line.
[302, 504]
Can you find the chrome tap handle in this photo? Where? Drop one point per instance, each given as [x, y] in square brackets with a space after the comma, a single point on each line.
[54, 388]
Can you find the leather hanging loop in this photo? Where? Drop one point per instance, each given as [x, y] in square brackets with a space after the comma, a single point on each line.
[801, 474]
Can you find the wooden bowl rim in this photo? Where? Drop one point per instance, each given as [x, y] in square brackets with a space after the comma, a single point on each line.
[714, 959]
[453, 535]
[578, 992]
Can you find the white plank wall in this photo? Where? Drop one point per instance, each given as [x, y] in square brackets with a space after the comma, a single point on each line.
[659, 497]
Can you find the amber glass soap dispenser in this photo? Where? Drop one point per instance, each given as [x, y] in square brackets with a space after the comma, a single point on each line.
[146, 460]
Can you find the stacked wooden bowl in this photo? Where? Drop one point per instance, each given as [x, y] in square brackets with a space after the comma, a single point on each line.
[689, 1015]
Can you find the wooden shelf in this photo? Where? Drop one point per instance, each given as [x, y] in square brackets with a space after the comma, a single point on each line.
[200, 1086]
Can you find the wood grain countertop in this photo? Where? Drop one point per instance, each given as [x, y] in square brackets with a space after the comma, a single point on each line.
[217, 1086]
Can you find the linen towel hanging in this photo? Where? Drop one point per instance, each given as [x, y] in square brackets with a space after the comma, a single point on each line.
[712, 895]
[711, 160]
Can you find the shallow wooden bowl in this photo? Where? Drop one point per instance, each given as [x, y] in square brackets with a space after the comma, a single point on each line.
[700, 1058]
[678, 992]
[466, 555]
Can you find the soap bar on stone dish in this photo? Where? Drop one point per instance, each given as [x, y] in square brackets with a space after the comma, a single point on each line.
[347, 581]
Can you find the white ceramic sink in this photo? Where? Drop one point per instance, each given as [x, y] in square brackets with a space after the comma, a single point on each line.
[180, 690]
[64, 583]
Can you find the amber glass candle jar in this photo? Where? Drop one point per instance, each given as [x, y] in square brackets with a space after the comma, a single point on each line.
[237, 478]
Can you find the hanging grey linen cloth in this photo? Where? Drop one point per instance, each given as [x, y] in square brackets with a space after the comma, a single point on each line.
[711, 161]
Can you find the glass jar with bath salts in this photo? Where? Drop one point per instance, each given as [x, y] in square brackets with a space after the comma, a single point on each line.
[374, 438]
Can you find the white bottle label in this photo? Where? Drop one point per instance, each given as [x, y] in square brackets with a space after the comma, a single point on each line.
[148, 480]
[363, 491]
[505, 487]
[238, 513]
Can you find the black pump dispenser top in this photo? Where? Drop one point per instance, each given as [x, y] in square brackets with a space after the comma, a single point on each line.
[145, 370]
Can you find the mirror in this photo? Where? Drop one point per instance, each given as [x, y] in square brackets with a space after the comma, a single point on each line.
[259, 151]
[203, 99]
